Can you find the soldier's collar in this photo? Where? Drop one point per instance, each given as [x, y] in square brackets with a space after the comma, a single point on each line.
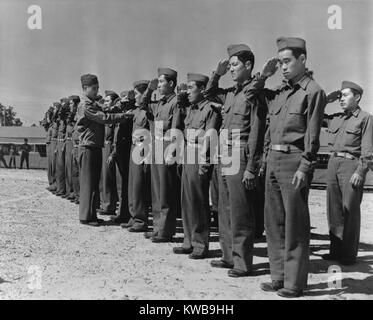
[303, 82]
[167, 98]
[354, 113]
[239, 86]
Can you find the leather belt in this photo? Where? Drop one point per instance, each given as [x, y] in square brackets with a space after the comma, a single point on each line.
[345, 155]
[288, 148]
[61, 140]
[167, 139]
[234, 143]
[107, 142]
[69, 139]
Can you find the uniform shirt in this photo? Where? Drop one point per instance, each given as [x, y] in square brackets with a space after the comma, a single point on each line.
[49, 135]
[109, 133]
[121, 136]
[295, 117]
[167, 110]
[61, 129]
[352, 133]
[91, 122]
[54, 130]
[240, 109]
[69, 131]
[202, 117]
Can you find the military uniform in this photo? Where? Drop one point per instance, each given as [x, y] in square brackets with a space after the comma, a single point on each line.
[69, 158]
[60, 158]
[121, 155]
[195, 180]
[53, 152]
[236, 211]
[25, 151]
[109, 194]
[75, 162]
[164, 180]
[48, 142]
[91, 127]
[350, 137]
[295, 116]
[139, 183]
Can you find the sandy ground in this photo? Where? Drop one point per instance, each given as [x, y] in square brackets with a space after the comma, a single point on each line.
[46, 254]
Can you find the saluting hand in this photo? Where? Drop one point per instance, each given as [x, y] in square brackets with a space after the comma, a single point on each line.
[299, 179]
[131, 95]
[270, 67]
[332, 96]
[223, 67]
[249, 180]
[182, 88]
[153, 84]
[356, 180]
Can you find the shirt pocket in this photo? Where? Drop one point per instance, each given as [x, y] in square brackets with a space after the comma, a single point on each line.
[353, 133]
[297, 118]
[333, 132]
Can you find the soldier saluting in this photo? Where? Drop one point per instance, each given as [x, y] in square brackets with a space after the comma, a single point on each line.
[296, 111]
[350, 138]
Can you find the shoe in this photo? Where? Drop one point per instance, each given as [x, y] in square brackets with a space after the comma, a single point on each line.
[105, 213]
[138, 229]
[90, 223]
[76, 201]
[149, 234]
[126, 225]
[329, 256]
[182, 250]
[117, 220]
[64, 196]
[59, 194]
[236, 273]
[70, 197]
[273, 286]
[287, 293]
[157, 239]
[221, 264]
[198, 255]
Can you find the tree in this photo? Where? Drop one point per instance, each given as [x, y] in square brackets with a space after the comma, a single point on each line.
[8, 116]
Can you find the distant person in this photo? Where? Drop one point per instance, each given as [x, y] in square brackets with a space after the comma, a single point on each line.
[25, 151]
[2, 157]
[12, 154]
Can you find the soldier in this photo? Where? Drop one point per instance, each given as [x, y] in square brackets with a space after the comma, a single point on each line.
[201, 116]
[53, 146]
[139, 173]
[25, 151]
[91, 123]
[163, 175]
[109, 195]
[350, 137]
[74, 197]
[2, 159]
[48, 127]
[60, 155]
[120, 154]
[236, 191]
[295, 114]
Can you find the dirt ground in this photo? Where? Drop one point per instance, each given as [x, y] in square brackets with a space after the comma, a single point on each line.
[46, 254]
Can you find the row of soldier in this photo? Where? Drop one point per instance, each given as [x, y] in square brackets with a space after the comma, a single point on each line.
[278, 140]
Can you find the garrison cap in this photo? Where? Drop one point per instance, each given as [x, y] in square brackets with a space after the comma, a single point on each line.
[124, 93]
[352, 85]
[64, 100]
[74, 98]
[140, 82]
[167, 72]
[88, 79]
[197, 77]
[290, 42]
[110, 93]
[56, 104]
[233, 49]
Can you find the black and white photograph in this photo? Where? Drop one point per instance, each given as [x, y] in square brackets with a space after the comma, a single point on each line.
[186, 150]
